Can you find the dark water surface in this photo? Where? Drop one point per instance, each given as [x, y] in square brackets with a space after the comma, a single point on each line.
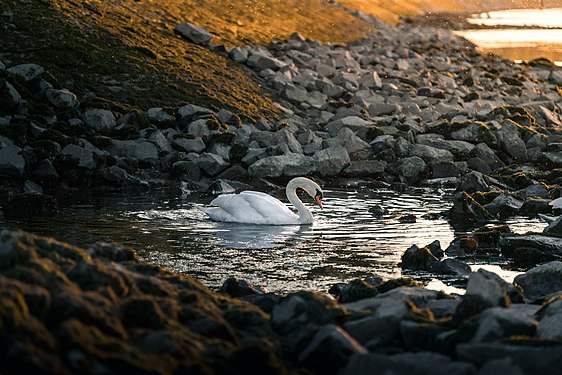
[345, 241]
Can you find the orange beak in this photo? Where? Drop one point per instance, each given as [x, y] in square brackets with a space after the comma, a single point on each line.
[318, 200]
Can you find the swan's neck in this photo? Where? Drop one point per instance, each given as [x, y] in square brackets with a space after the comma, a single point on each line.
[305, 217]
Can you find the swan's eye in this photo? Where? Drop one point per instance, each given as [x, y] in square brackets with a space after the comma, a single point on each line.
[319, 194]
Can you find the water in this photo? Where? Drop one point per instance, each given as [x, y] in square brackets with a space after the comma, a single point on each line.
[525, 34]
[345, 241]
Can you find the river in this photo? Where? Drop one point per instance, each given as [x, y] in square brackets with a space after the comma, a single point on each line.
[347, 240]
[519, 34]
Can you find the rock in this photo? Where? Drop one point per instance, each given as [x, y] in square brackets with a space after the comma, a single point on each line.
[189, 145]
[499, 322]
[382, 109]
[500, 366]
[190, 113]
[489, 287]
[261, 60]
[134, 151]
[161, 142]
[116, 176]
[62, 98]
[525, 357]
[12, 163]
[406, 363]
[485, 153]
[356, 289]
[26, 205]
[448, 169]
[212, 164]
[100, 120]
[541, 282]
[282, 165]
[354, 123]
[161, 116]
[329, 349]
[430, 154]
[418, 259]
[511, 142]
[466, 210]
[411, 169]
[554, 228]
[11, 98]
[504, 205]
[331, 161]
[27, 72]
[473, 182]
[235, 287]
[450, 266]
[78, 156]
[549, 315]
[239, 54]
[365, 168]
[194, 33]
[459, 149]
[45, 173]
[357, 148]
[529, 250]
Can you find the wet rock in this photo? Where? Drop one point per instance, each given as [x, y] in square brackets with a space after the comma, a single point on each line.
[30, 205]
[451, 266]
[45, 173]
[448, 169]
[212, 164]
[541, 282]
[499, 322]
[485, 153]
[134, 151]
[489, 287]
[235, 287]
[363, 168]
[467, 210]
[194, 33]
[530, 250]
[504, 205]
[78, 156]
[473, 182]
[430, 154]
[353, 291]
[554, 228]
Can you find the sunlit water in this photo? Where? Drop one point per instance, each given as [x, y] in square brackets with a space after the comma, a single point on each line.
[542, 38]
[346, 240]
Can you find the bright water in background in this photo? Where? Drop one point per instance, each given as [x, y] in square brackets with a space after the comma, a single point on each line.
[541, 38]
[345, 241]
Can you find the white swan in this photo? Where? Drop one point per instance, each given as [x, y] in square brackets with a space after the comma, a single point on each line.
[253, 207]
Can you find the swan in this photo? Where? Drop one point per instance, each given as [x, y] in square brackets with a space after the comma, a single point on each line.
[254, 207]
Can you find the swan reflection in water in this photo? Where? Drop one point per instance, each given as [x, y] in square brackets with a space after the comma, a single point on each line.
[244, 236]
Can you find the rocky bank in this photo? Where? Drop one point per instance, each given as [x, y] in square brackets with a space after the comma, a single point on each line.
[409, 105]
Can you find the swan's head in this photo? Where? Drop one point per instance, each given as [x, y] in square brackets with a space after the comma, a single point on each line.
[311, 188]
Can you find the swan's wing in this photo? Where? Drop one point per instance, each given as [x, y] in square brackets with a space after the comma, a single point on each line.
[251, 207]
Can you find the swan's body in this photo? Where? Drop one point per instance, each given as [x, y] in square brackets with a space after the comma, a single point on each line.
[253, 207]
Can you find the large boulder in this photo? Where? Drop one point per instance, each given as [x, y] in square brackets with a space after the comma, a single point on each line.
[541, 282]
[194, 33]
[134, 151]
[411, 169]
[331, 161]
[100, 120]
[282, 165]
[12, 163]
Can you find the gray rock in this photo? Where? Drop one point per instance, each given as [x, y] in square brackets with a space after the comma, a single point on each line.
[459, 149]
[382, 109]
[261, 60]
[331, 161]
[212, 164]
[528, 358]
[12, 96]
[330, 348]
[295, 95]
[27, 72]
[160, 116]
[116, 176]
[161, 142]
[282, 165]
[194, 33]
[489, 157]
[354, 123]
[32, 187]
[366, 168]
[62, 98]
[99, 120]
[199, 128]
[407, 363]
[239, 54]
[554, 228]
[550, 319]
[470, 133]
[430, 154]
[134, 150]
[488, 286]
[411, 169]
[287, 137]
[357, 148]
[189, 145]
[499, 322]
[504, 205]
[511, 142]
[45, 173]
[12, 163]
[541, 282]
[191, 112]
[442, 307]
[382, 142]
[79, 156]
[402, 147]
[500, 366]
[556, 77]
[451, 266]
[448, 169]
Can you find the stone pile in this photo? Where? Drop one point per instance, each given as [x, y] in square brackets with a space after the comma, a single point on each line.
[66, 310]
[407, 105]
